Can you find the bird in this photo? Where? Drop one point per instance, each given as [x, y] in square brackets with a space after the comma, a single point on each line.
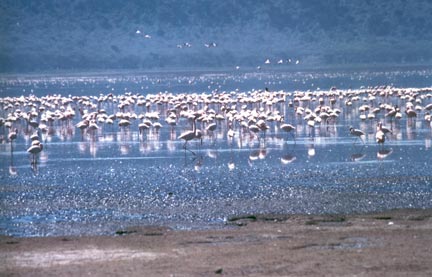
[384, 129]
[190, 134]
[230, 133]
[262, 125]
[253, 128]
[35, 149]
[211, 127]
[199, 135]
[157, 126]
[82, 125]
[411, 113]
[92, 128]
[288, 128]
[124, 123]
[380, 136]
[34, 136]
[358, 133]
[138, 32]
[13, 135]
[144, 127]
[210, 44]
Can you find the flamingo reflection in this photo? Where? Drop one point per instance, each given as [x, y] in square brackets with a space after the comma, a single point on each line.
[358, 155]
[288, 157]
[254, 155]
[12, 169]
[311, 148]
[384, 153]
[199, 163]
[380, 136]
[231, 164]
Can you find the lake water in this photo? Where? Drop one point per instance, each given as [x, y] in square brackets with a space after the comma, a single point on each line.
[116, 177]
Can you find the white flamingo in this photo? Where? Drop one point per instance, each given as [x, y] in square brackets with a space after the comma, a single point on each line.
[34, 150]
[191, 134]
[288, 128]
[12, 136]
[380, 135]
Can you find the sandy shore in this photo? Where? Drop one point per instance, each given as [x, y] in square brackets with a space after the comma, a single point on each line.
[394, 243]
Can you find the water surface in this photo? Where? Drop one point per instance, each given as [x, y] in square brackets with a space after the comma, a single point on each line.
[103, 182]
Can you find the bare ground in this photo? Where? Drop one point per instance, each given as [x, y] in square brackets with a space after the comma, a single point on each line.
[394, 243]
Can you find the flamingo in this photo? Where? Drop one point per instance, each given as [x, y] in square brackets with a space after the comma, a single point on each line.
[253, 128]
[288, 128]
[191, 134]
[82, 125]
[411, 113]
[123, 123]
[384, 129]
[230, 132]
[380, 135]
[143, 127]
[35, 149]
[12, 136]
[34, 136]
[211, 127]
[92, 128]
[262, 125]
[358, 133]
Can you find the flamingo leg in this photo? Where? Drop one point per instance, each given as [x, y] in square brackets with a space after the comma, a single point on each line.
[294, 138]
[185, 148]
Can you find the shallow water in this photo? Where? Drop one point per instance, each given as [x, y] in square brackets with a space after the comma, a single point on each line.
[99, 184]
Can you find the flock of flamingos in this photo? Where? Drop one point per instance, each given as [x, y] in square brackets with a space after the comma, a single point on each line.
[254, 114]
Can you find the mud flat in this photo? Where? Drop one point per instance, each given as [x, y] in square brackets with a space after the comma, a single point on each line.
[392, 243]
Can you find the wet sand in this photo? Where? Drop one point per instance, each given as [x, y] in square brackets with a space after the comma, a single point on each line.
[393, 243]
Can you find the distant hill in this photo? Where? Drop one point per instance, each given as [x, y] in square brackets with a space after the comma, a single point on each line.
[163, 34]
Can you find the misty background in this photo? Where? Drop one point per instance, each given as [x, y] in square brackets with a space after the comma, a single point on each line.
[90, 35]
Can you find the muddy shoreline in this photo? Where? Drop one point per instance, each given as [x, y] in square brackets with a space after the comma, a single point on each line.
[392, 243]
